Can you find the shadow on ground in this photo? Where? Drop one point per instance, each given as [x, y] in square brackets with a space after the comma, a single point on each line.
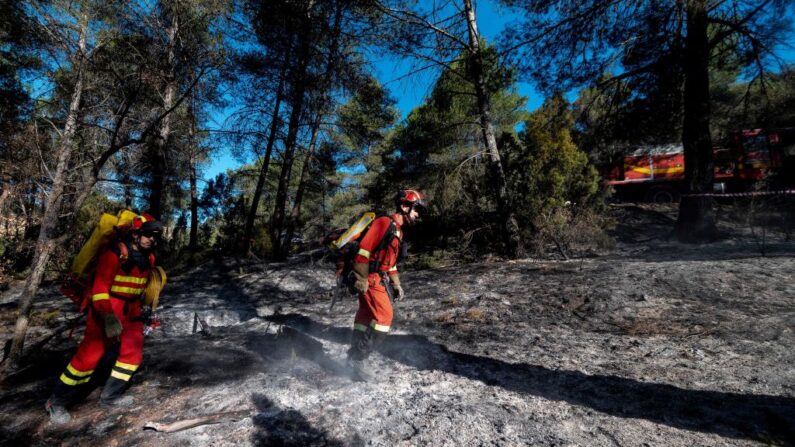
[758, 417]
[279, 427]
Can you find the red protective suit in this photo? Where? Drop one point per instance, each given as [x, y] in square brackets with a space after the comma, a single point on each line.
[374, 317]
[117, 287]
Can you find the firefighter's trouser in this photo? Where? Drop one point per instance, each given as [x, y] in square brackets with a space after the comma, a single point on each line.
[74, 379]
[373, 319]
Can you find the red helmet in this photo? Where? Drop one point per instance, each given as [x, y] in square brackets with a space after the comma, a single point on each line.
[147, 223]
[412, 198]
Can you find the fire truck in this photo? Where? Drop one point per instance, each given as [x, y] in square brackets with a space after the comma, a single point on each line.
[656, 173]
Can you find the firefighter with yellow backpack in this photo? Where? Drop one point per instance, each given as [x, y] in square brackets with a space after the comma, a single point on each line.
[114, 277]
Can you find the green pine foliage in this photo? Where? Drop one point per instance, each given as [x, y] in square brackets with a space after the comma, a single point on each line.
[547, 170]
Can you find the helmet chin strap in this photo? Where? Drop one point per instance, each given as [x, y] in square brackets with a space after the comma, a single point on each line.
[406, 215]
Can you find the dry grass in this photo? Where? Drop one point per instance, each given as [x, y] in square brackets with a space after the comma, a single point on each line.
[474, 314]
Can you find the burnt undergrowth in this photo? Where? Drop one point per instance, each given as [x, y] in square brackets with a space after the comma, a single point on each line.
[759, 417]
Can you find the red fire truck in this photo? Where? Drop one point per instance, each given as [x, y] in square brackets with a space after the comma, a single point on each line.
[657, 173]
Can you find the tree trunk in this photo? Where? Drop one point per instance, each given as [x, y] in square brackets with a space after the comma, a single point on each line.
[127, 181]
[193, 240]
[161, 144]
[504, 209]
[157, 180]
[297, 106]
[5, 183]
[248, 233]
[299, 195]
[52, 212]
[331, 69]
[697, 220]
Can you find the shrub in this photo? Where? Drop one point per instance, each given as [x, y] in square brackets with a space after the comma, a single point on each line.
[571, 232]
[547, 171]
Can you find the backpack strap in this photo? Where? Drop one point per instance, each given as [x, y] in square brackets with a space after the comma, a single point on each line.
[124, 253]
[391, 231]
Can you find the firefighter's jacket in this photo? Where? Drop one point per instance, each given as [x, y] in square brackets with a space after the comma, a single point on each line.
[117, 288]
[384, 260]
[375, 308]
[122, 279]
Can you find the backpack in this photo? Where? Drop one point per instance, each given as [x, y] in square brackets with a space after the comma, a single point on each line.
[346, 247]
[110, 229]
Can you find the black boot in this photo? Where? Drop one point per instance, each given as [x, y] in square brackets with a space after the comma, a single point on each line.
[113, 394]
[361, 345]
[58, 413]
[360, 372]
[63, 396]
[376, 338]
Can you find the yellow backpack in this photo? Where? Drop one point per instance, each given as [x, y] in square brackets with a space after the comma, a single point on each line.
[77, 283]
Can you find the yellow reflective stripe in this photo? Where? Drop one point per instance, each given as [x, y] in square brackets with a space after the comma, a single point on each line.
[364, 253]
[130, 290]
[76, 372]
[397, 233]
[118, 375]
[393, 268]
[379, 327]
[657, 170]
[100, 297]
[359, 327]
[131, 279]
[126, 366]
[69, 381]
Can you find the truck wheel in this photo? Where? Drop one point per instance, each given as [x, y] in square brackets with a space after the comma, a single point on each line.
[662, 194]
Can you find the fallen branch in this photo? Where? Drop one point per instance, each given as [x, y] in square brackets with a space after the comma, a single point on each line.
[171, 427]
[69, 324]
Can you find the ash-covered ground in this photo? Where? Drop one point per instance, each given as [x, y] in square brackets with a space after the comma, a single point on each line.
[656, 343]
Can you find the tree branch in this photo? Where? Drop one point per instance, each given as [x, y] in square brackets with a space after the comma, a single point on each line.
[416, 19]
[148, 130]
[734, 26]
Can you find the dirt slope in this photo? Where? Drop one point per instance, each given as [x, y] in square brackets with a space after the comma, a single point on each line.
[655, 344]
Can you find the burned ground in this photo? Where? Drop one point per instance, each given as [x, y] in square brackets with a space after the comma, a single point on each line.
[655, 343]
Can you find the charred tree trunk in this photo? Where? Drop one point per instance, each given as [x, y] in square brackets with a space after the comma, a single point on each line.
[46, 242]
[161, 144]
[504, 209]
[696, 222]
[248, 233]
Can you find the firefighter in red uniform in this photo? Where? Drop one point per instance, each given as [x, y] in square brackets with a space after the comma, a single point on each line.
[113, 317]
[375, 267]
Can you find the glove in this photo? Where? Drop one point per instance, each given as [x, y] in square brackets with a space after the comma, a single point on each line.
[399, 294]
[112, 325]
[361, 271]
